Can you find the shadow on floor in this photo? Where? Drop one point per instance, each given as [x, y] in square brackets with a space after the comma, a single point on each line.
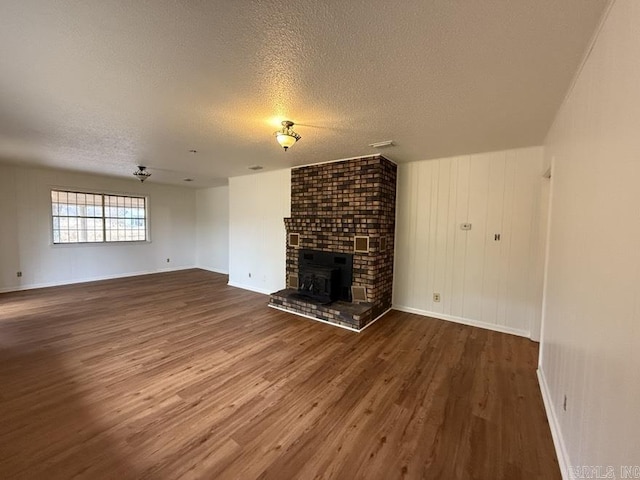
[48, 430]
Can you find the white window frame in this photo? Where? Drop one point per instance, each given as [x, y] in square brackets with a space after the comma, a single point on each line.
[104, 217]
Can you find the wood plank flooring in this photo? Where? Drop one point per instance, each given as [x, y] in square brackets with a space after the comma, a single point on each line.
[178, 376]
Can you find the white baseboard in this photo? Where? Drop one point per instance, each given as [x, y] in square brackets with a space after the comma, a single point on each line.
[251, 288]
[98, 278]
[214, 270]
[375, 319]
[554, 425]
[464, 321]
[331, 323]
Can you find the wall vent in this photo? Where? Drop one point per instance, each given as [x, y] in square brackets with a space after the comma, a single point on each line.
[361, 244]
[294, 240]
[359, 294]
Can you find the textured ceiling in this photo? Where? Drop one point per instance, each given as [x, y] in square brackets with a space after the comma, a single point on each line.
[105, 85]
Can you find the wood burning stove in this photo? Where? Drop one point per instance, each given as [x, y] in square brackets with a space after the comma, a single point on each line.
[325, 276]
[319, 283]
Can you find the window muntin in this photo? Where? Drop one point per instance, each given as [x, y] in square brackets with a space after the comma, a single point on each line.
[81, 217]
[125, 218]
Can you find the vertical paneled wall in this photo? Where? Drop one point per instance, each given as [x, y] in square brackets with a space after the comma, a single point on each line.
[257, 207]
[589, 362]
[481, 281]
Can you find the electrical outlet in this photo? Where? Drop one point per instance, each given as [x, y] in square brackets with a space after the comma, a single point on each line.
[168, 260]
[436, 297]
[564, 404]
[18, 274]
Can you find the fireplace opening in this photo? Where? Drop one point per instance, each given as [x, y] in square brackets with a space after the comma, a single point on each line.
[325, 277]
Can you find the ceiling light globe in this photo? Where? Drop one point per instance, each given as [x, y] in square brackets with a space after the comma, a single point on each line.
[286, 137]
[141, 174]
[285, 140]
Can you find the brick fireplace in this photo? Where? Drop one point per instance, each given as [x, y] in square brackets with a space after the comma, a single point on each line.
[341, 209]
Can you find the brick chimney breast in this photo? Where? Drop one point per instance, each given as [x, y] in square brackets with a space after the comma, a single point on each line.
[332, 204]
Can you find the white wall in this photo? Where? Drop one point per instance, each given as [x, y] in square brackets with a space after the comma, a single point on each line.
[212, 219]
[591, 327]
[25, 232]
[257, 249]
[482, 282]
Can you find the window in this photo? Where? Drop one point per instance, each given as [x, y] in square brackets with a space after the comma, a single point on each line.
[80, 217]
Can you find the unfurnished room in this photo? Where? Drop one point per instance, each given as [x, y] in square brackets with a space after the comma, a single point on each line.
[319, 240]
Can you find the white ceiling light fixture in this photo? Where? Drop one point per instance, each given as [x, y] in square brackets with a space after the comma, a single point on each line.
[386, 143]
[286, 137]
[141, 174]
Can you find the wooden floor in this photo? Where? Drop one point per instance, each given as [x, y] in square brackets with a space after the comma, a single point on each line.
[178, 376]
